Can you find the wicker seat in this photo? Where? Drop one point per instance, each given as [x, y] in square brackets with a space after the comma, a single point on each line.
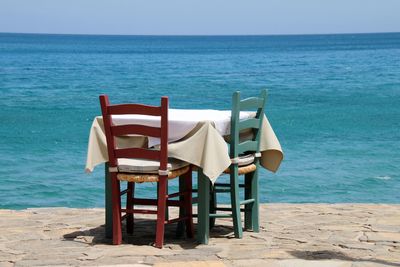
[148, 177]
[243, 170]
[245, 163]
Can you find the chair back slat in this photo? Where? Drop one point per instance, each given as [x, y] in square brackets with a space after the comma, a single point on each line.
[254, 124]
[124, 109]
[248, 145]
[140, 153]
[119, 130]
[112, 131]
[249, 123]
[251, 103]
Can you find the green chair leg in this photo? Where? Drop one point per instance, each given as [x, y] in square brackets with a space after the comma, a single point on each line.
[213, 205]
[203, 208]
[235, 202]
[248, 219]
[256, 204]
[108, 203]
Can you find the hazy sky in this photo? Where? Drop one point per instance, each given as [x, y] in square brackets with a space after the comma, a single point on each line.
[212, 17]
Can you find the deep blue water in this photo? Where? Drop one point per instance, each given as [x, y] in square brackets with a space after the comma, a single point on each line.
[334, 103]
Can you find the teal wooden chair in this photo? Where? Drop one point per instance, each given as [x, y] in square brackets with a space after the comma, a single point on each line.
[245, 154]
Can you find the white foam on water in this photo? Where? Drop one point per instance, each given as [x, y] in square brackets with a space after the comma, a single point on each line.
[383, 177]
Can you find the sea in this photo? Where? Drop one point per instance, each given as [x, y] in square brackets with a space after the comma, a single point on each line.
[333, 102]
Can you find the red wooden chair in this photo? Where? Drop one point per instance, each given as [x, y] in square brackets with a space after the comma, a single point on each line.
[134, 165]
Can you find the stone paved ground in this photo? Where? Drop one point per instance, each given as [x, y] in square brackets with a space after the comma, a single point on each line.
[291, 235]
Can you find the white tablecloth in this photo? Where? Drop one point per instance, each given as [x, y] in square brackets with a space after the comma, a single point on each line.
[196, 136]
[182, 121]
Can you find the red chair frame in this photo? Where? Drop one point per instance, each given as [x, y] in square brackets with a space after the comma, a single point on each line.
[114, 153]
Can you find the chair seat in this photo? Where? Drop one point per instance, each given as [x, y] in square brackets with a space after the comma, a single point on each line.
[245, 160]
[141, 170]
[243, 169]
[245, 164]
[147, 177]
[148, 166]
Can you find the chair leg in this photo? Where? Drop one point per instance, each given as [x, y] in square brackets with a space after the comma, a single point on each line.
[185, 185]
[161, 204]
[213, 204]
[235, 201]
[108, 202]
[129, 206]
[256, 205]
[166, 207]
[188, 204]
[248, 209]
[180, 227]
[116, 210]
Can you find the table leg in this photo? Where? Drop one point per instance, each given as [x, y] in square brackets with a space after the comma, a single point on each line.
[203, 207]
[108, 202]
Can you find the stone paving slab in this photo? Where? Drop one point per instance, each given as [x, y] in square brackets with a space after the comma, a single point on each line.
[291, 235]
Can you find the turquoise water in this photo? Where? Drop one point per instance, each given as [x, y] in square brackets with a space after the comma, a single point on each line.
[334, 103]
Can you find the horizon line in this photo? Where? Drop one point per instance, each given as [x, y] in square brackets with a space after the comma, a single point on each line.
[197, 35]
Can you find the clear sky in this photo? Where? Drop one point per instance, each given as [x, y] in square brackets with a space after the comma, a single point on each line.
[199, 17]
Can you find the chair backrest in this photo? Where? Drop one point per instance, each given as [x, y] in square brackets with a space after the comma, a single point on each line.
[112, 131]
[237, 126]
